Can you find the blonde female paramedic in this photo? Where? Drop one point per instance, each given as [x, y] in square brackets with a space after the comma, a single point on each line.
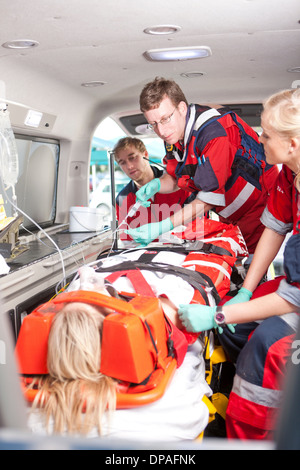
[261, 361]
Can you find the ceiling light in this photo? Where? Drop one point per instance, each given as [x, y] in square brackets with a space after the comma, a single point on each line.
[33, 118]
[93, 83]
[20, 44]
[294, 69]
[162, 29]
[180, 53]
[192, 74]
[143, 129]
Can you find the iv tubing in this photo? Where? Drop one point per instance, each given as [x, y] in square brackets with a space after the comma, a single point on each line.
[35, 223]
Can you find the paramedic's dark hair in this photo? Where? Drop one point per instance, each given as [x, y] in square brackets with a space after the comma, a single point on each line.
[154, 92]
[126, 142]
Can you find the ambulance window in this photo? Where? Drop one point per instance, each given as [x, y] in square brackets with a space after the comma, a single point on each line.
[106, 136]
[37, 182]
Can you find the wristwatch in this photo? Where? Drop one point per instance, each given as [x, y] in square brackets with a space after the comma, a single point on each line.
[219, 317]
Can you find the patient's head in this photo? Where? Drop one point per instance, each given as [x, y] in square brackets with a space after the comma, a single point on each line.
[74, 345]
[75, 394]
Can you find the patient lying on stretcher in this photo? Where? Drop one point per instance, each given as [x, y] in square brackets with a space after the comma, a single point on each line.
[76, 398]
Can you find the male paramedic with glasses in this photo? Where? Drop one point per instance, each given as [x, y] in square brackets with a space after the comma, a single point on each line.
[211, 151]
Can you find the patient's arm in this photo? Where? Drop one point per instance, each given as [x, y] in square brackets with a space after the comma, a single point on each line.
[170, 311]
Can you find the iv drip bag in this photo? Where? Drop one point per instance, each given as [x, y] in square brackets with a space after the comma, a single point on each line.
[9, 162]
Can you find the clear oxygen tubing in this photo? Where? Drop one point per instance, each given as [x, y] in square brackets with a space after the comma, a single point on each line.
[131, 213]
[62, 284]
[63, 281]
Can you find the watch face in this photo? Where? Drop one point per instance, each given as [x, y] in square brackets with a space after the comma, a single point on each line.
[220, 318]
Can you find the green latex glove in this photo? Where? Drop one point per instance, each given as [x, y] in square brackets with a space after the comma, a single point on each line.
[147, 191]
[146, 233]
[243, 295]
[197, 318]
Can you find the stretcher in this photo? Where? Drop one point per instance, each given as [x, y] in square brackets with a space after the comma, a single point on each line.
[141, 346]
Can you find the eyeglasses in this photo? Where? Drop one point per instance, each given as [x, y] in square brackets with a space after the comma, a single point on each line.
[163, 121]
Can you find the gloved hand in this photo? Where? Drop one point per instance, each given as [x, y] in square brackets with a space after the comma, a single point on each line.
[197, 318]
[146, 233]
[243, 295]
[147, 191]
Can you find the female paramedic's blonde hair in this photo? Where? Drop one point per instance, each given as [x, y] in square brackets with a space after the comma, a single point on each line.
[75, 394]
[283, 110]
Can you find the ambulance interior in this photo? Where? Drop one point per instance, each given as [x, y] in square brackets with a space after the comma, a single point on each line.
[65, 67]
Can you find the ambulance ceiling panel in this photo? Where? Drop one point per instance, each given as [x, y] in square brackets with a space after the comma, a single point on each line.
[253, 44]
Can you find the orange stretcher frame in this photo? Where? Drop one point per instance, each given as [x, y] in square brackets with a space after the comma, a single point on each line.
[134, 398]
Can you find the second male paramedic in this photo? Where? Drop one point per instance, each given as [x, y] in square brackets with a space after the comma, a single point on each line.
[211, 151]
[132, 157]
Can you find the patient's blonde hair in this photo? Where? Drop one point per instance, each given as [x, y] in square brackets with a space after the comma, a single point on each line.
[75, 394]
